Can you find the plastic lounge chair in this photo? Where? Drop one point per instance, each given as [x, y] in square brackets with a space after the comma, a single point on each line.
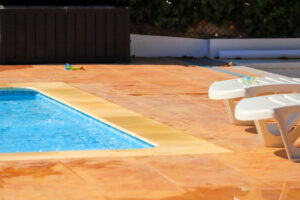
[233, 90]
[285, 109]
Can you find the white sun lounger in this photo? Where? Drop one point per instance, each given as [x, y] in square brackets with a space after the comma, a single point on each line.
[233, 90]
[285, 109]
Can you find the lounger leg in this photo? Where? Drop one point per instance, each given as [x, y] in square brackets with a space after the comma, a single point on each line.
[266, 137]
[288, 138]
[230, 106]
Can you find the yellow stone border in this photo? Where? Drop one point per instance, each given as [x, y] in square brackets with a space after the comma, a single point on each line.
[167, 140]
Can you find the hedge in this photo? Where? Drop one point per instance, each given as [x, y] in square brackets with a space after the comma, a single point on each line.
[255, 18]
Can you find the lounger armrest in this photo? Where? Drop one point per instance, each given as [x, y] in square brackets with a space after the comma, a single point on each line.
[222, 90]
[254, 108]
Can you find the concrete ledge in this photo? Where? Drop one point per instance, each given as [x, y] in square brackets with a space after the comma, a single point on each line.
[217, 45]
[259, 53]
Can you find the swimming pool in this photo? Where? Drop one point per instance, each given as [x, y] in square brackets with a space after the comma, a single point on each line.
[34, 122]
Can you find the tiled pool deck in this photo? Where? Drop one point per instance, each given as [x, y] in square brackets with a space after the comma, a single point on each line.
[173, 93]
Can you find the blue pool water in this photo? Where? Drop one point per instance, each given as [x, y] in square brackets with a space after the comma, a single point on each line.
[33, 122]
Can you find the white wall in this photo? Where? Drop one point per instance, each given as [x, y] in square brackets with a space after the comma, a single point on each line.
[159, 46]
[252, 44]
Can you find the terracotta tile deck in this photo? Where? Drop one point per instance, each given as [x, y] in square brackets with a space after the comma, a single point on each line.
[173, 93]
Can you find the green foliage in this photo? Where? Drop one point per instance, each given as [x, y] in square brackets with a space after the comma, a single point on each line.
[256, 18]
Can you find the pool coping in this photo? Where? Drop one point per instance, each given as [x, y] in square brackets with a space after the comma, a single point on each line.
[167, 140]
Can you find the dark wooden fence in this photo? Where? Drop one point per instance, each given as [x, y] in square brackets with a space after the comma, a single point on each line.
[64, 34]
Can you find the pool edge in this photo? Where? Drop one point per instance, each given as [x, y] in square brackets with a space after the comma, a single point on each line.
[167, 140]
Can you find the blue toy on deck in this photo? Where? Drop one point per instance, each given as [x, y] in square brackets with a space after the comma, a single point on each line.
[69, 67]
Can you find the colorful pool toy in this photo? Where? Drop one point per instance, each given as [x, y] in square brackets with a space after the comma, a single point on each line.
[69, 67]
